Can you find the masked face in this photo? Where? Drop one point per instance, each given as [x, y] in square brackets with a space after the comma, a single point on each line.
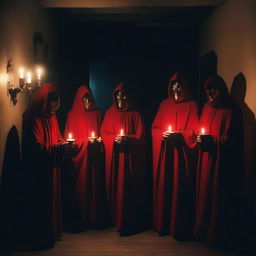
[121, 99]
[177, 90]
[88, 101]
[54, 106]
[213, 95]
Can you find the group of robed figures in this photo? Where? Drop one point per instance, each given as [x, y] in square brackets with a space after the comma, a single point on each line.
[99, 179]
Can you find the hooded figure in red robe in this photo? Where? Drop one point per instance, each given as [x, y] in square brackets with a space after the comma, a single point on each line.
[123, 136]
[83, 122]
[174, 165]
[41, 151]
[219, 176]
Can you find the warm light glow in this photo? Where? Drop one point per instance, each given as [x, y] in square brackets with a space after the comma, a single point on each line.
[122, 132]
[203, 131]
[22, 73]
[169, 128]
[70, 135]
[29, 78]
[39, 73]
[93, 135]
[4, 78]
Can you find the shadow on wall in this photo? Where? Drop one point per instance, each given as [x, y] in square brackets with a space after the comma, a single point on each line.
[238, 93]
[9, 191]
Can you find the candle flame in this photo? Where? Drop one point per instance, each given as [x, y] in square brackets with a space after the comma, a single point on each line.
[169, 128]
[203, 131]
[93, 134]
[122, 132]
[70, 135]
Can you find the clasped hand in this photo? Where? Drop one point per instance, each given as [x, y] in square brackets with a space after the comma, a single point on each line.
[121, 139]
[94, 139]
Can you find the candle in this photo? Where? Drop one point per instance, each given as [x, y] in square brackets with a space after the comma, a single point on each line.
[203, 131]
[39, 73]
[70, 138]
[29, 78]
[22, 73]
[22, 78]
[93, 135]
[122, 132]
[169, 128]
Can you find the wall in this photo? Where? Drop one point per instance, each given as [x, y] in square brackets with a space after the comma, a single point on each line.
[19, 20]
[230, 34]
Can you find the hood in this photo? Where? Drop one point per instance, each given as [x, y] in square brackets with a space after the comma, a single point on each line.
[39, 102]
[217, 81]
[78, 105]
[185, 93]
[121, 87]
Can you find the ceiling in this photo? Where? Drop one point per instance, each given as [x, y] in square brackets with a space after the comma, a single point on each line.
[152, 13]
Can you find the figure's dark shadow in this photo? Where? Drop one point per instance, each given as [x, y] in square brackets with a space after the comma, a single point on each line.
[238, 93]
[11, 204]
[208, 67]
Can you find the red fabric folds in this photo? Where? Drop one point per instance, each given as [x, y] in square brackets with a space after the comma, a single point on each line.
[87, 164]
[174, 166]
[124, 166]
[219, 176]
[41, 137]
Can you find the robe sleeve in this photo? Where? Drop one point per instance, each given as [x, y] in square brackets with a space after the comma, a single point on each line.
[157, 135]
[70, 127]
[139, 128]
[38, 134]
[190, 133]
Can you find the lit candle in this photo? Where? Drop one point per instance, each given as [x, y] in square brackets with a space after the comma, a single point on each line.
[39, 73]
[122, 132]
[70, 138]
[203, 131]
[93, 135]
[22, 78]
[169, 128]
[22, 73]
[29, 78]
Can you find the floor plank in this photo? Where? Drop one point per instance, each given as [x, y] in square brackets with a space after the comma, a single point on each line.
[108, 242]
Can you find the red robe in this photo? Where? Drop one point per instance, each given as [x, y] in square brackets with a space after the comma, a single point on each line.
[218, 186]
[88, 169]
[174, 168]
[124, 166]
[41, 136]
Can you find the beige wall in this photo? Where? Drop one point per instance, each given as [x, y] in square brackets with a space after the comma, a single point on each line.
[231, 33]
[18, 22]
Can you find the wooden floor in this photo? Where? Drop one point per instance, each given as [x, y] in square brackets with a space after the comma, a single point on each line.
[108, 242]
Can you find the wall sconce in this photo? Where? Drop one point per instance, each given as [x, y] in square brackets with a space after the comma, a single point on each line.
[25, 82]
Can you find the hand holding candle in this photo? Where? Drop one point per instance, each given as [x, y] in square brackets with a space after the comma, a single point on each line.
[168, 132]
[202, 137]
[92, 138]
[70, 139]
[120, 137]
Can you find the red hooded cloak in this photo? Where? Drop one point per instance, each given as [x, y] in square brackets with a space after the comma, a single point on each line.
[174, 165]
[41, 137]
[124, 165]
[219, 176]
[88, 168]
